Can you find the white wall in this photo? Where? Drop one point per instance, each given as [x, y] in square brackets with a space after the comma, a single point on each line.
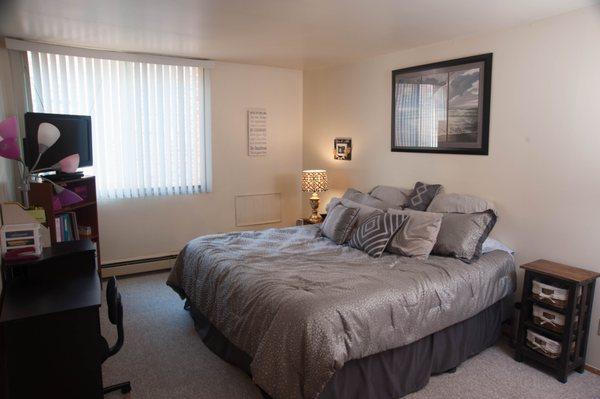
[158, 225]
[543, 170]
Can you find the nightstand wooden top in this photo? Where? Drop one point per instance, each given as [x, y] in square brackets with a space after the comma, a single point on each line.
[561, 271]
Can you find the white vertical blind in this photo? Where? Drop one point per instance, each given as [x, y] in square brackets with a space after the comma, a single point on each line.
[421, 116]
[149, 126]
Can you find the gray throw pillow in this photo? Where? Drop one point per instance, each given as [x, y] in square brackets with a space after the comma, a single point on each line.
[339, 223]
[422, 195]
[376, 232]
[365, 199]
[462, 235]
[393, 197]
[460, 203]
[364, 211]
[418, 235]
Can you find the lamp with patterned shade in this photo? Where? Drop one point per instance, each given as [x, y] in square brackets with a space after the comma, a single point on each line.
[314, 181]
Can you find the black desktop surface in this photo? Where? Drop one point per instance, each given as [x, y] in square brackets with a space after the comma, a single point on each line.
[34, 296]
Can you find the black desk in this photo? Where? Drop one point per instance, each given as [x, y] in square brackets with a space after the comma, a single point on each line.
[50, 325]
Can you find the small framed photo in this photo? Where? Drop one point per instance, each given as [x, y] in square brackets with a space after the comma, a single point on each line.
[342, 148]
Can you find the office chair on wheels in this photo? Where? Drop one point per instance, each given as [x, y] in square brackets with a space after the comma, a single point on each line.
[115, 315]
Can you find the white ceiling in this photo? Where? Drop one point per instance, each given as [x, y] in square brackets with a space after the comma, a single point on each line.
[301, 34]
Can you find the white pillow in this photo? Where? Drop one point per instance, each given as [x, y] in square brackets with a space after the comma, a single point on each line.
[490, 245]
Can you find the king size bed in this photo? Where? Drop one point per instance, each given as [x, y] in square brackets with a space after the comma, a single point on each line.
[308, 318]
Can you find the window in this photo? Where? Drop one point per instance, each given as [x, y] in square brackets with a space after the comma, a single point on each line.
[150, 126]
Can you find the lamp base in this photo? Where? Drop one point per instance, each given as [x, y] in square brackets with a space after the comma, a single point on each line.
[314, 204]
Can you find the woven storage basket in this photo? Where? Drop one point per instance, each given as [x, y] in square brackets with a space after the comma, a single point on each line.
[550, 294]
[550, 319]
[543, 345]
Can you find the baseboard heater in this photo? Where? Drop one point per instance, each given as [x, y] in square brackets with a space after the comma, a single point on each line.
[138, 265]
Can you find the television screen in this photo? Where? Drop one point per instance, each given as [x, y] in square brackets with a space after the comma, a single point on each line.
[75, 138]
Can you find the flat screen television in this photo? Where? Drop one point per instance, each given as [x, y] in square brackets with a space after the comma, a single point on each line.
[75, 138]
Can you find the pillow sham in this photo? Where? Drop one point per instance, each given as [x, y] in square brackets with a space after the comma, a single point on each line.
[364, 211]
[422, 195]
[459, 203]
[462, 235]
[365, 199]
[418, 235]
[339, 222]
[393, 197]
[376, 232]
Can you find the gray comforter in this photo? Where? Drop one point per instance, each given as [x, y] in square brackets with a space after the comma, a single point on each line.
[301, 306]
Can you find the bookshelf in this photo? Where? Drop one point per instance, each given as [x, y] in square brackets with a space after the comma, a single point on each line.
[86, 212]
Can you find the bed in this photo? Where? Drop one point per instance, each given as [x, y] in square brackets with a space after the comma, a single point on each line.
[308, 318]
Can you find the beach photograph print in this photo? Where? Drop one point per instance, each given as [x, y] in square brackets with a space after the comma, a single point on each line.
[442, 107]
[463, 106]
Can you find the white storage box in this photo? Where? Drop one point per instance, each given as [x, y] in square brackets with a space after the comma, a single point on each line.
[550, 294]
[21, 241]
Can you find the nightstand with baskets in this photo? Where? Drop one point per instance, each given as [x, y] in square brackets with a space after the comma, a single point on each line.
[555, 316]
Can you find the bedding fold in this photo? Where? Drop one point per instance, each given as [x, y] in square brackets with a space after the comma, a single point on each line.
[301, 306]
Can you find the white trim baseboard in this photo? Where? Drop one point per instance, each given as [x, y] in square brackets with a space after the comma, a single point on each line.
[138, 265]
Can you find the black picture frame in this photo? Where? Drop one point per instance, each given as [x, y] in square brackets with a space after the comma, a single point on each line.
[481, 146]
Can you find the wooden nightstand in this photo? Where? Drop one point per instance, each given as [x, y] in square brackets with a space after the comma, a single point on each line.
[556, 308]
[303, 221]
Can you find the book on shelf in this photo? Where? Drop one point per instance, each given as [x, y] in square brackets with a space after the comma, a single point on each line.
[66, 227]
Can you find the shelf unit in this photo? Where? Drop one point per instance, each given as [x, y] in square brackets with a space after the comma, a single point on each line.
[575, 281]
[42, 194]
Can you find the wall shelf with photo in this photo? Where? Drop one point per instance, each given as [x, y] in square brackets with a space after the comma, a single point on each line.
[443, 107]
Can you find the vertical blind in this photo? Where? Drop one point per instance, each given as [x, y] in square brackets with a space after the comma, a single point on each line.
[148, 120]
[421, 114]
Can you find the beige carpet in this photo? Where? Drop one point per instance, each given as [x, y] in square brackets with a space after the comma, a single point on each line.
[164, 358]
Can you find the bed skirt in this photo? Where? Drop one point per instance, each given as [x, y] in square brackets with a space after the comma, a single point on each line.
[392, 373]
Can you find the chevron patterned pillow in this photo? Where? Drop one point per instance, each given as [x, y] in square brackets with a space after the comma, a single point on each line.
[374, 234]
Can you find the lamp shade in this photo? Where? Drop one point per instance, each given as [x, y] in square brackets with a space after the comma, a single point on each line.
[66, 197]
[9, 146]
[48, 134]
[314, 180]
[69, 164]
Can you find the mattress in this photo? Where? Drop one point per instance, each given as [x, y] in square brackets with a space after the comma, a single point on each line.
[301, 306]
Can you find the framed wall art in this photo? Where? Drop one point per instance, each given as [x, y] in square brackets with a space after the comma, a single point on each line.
[342, 148]
[443, 107]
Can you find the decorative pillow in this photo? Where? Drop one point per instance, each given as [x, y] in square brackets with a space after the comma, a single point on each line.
[393, 197]
[422, 195]
[459, 203]
[364, 211]
[418, 235]
[339, 223]
[462, 235]
[365, 199]
[376, 232]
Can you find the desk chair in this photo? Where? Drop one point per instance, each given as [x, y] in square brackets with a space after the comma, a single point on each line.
[115, 315]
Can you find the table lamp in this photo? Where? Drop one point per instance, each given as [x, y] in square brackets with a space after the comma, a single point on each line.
[47, 136]
[314, 181]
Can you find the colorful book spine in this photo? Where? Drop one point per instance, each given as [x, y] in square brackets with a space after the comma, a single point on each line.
[66, 227]
[58, 229]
